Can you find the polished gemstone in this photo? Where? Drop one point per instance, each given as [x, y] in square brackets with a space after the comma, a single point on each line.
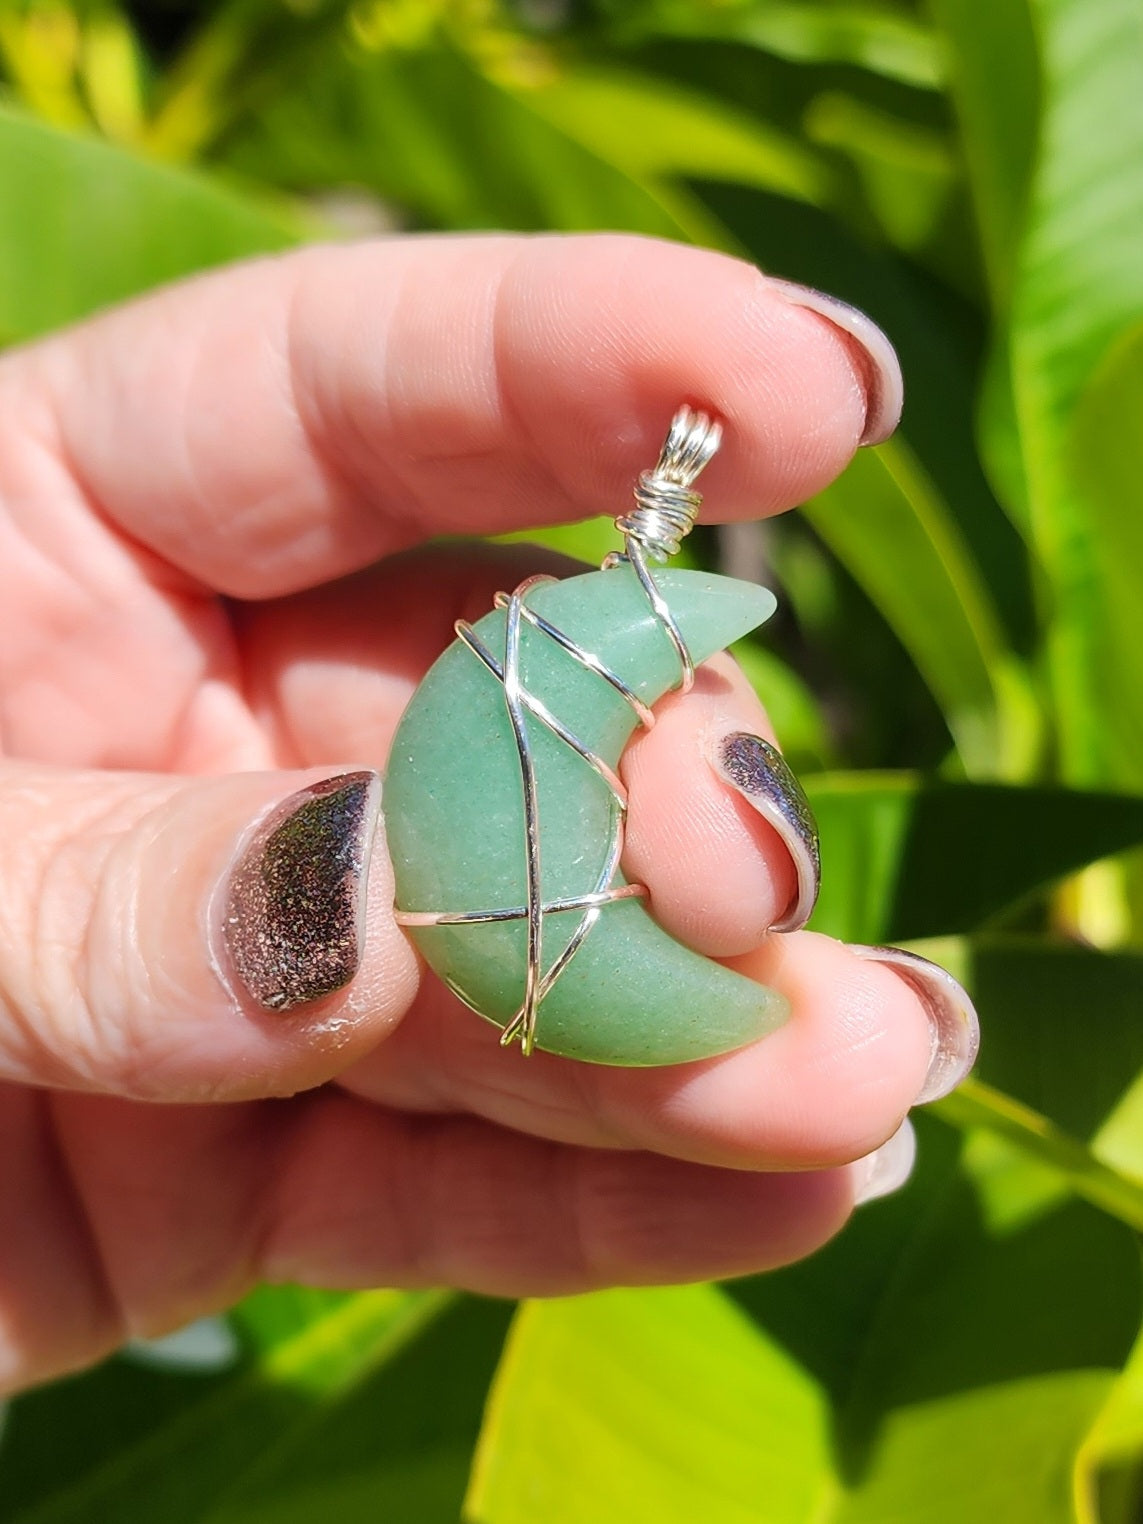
[455, 821]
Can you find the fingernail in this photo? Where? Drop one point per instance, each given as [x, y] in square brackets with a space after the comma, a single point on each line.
[887, 1168]
[953, 1021]
[884, 385]
[295, 905]
[759, 772]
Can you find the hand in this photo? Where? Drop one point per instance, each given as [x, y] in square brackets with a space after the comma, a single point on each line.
[210, 508]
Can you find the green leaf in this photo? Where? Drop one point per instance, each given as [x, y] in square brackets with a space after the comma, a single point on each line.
[885, 41]
[885, 520]
[398, 1447]
[1107, 463]
[903, 859]
[39, 54]
[590, 540]
[241, 53]
[994, 82]
[123, 1402]
[1042, 1148]
[1109, 1483]
[1081, 279]
[653, 129]
[665, 1405]
[382, 1389]
[1064, 1034]
[793, 710]
[1061, 1070]
[907, 172]
[427, 129]
[922, 1367]
[1079, 287]
[994, 79]
[113, 73]
[937, 341]
[1060, 1076]
[83, 224]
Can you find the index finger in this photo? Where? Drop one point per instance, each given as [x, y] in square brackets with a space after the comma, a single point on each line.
[279, 423]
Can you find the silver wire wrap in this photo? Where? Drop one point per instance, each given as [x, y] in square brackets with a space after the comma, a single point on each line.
[665, 510]
[665, 504]
[666, 507]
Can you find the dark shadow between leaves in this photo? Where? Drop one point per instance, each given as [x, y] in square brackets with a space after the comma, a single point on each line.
[972, 850]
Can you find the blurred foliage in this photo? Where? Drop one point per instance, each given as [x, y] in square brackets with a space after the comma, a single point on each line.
[958, 668]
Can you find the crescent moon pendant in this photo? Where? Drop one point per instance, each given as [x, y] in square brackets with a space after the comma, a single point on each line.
[505, 810]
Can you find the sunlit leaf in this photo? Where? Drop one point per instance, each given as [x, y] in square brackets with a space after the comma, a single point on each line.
[1055, 1097]
[397, 1446]
[666, 1405]
[994, 82]
[1107, 462]
[1061, 1065]
[655, 129]
[113, 74]
[994, 79]
[83, 224]
[1079, 287]
[886, 41]
[1109, 1483]
[903, 1373]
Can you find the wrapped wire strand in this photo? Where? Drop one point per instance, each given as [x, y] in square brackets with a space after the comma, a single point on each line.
[666, 506]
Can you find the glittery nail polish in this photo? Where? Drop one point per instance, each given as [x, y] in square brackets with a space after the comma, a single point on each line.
[293, 921]
[759, 772]
[953, 1021]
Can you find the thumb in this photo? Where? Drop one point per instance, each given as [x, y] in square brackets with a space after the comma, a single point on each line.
[194, 939]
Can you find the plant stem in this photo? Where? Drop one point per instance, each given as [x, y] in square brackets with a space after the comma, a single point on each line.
[975, 1104]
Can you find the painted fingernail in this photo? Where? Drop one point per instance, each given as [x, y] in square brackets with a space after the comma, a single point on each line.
[884, 386]
[953, 1021]
[759, 772]
[887, 1168]
[295, 905]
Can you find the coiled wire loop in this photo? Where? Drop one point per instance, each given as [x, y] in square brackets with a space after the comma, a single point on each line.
[666, 505]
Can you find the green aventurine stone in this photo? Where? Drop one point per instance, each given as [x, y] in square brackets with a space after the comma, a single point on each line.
[454, 816]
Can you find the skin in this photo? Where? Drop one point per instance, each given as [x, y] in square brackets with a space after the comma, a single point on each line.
[211, 503]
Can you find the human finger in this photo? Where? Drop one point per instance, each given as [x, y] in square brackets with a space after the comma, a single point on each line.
[150, 1216]
[719, 829]
[177, 939]
[276, 424]
[330, 670]
[372, 1197]
[194, 939]
[859, 1049]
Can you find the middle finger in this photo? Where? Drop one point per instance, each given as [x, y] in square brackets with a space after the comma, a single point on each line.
[827, 1087]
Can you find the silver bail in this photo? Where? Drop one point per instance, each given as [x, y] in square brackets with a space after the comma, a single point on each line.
[666, 504]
